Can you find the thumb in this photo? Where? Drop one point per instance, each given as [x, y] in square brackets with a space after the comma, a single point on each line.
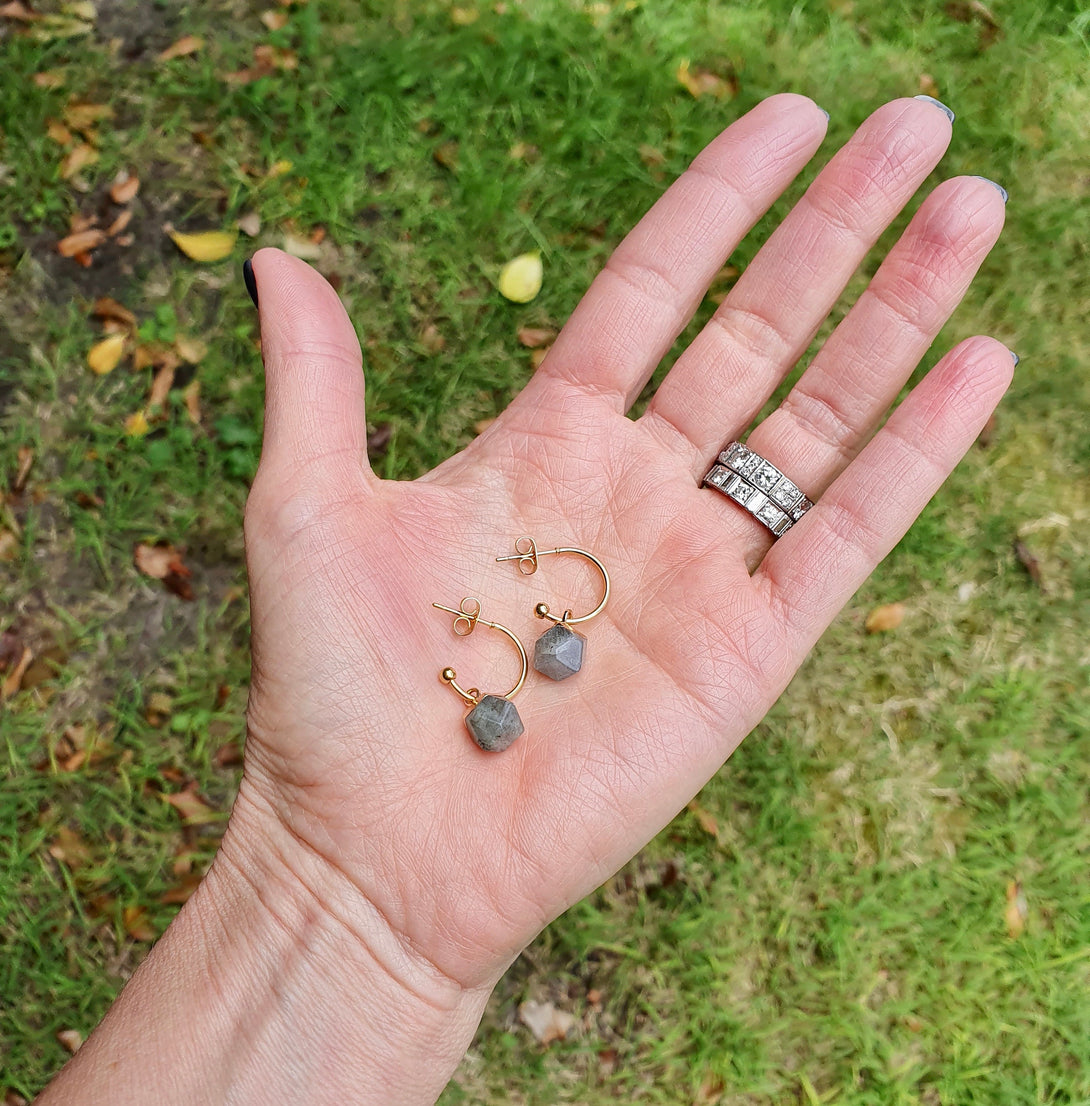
[314, 393]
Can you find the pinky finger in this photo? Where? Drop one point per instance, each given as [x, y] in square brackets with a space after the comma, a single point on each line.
[819, 564]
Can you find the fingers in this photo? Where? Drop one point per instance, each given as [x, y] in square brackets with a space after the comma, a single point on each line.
[653, 282]
[314, 388]
[817, 566]
[858, 373]
[766, 323]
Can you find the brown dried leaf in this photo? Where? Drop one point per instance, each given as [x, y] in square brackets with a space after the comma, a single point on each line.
[228, 755]
[125, 187]
[158, 561]
[49, 78]
[431, 338]
[885, 618]
[481, 425]
[192, 397]
[193, 809]
[446, 154]
[9, 546]
[183, 891]
[11, 649]
[1028, 560]
[160, 386]
[83, 116]
[928, 87]
[545, 1021]
[651, 157]
[138, 925]
[18, 10]
[190, 350]
[72, 1039]
[303, 248]
[1017, 910]
[59, 133]
[70, 849]
[703, 82]
[14, 679]
[274, 20]
[705, 819]
[157, 708]
[537, 356]
[76, 244]
[108, 308]
[13, 1099]
[26, 462]
[79, 157]
[534, 337]
[187, 44]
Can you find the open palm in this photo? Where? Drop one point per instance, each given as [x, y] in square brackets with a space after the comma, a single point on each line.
[446, 859]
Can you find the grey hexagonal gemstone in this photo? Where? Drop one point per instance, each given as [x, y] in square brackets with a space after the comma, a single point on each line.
[558, 653]
[494, 723]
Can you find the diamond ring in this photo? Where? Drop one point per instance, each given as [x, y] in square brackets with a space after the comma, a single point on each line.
[758, 486]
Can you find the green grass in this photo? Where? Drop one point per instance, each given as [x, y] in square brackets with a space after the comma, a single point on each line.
[842, 938]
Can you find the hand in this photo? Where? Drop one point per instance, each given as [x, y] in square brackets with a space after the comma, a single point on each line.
[444, 860]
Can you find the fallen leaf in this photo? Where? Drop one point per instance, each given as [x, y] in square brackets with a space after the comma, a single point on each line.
[463, 17]
[524, 151]
[481, 425]
[193, 809]
[26, 462]
[136, 425]
[59, 133]
[157, 708]
[446, 154]
[80, 243]
[137, 924]
[72, 1039]
[303, 248]
[520, 279]
[537, 357]
[11, 649]
[534, 337]
[205, 246]
[191, 350]
[545, 1021]
[652, 157]
[431, 338]
[79, 157]
[1017, 910]
[705, 819]
[13, 1099]
[703, 82]
[125, 186]
[119, 224]
[182, 892]
[1028, 560]
[70, 849]
[192, 397]
[82, 9]
[274, 20]
[280, 168]
[160, 386]
[164, 562]
[50, 78]
[227, 756]
[51, 27]
[187, 44]
[19, 11]
[250, 224]
[884, 618]
[14, 679]
[928, 87]
[275, 57]
[105, 355]
[82, 116]
[9, 546]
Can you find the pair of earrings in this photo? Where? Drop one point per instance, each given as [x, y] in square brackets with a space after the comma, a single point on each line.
[493, 721]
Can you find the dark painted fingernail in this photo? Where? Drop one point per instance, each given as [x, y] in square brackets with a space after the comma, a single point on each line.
[1015, 356]
[248, 277]
[939, 104]
[998, 187]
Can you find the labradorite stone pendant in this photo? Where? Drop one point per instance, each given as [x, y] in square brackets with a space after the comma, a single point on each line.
[558, 653]
[494, 723]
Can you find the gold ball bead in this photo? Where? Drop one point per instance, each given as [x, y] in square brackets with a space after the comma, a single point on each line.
[541, 610]
[447, 675]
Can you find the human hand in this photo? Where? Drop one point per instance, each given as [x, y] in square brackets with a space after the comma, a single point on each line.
[445, 860]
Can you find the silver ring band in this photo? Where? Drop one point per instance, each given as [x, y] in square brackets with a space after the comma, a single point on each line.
[758, 486]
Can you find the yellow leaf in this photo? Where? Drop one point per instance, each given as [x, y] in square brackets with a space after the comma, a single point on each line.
[520, 279]
[136, 426]
[187, 44]
[279, 168]
[209, 245]
[105, 355]
[885, 618]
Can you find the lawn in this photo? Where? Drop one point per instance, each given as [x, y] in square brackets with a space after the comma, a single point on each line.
[884, 896]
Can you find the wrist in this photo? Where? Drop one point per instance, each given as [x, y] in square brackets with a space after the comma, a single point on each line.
[271, 985]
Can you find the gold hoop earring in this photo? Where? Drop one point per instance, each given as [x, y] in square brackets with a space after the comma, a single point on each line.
[559, 652]
[494, 721]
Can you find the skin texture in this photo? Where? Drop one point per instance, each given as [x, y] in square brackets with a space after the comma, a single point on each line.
[380, 871]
